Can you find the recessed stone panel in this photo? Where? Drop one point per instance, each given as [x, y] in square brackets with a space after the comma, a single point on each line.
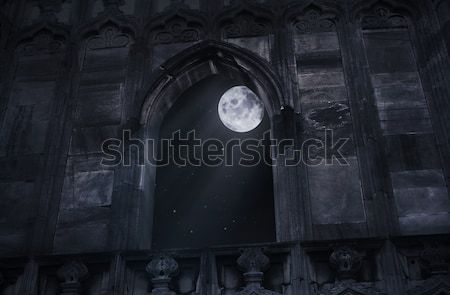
[336, 195]
[88, 189]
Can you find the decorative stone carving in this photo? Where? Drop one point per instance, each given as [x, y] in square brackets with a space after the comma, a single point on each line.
[335, 115]
[313, 20]
[161, 269]
[347, 262]
[110, 36]
[383, 17]
[43, 42]
[434, 259]
[253, 262]
[71, 276]
[246, 24]
[177, 29]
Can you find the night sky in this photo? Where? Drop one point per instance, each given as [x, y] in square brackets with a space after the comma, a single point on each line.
[206, 206]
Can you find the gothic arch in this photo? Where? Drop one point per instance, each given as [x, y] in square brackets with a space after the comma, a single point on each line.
[45, 36]
[205, 59]
[120, 22]
[312, 17]
[328, 8]
[177, 26]
[401, 8]
[244, 20]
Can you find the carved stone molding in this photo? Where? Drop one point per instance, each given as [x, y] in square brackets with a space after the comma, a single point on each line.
[382, 16]
[71, 275]
[347, 262]
[254, 262]
[246, 24]
[350, 288]
[161, 269]
[314, 20]
[43, 42]
[110, 36]
[177, 29]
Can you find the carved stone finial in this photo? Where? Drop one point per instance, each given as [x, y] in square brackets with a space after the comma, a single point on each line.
[72, 274]
[254, 262]
[434, 259]
[162, 268]
[346, 261]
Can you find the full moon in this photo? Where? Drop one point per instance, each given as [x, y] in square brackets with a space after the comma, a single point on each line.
[240, 109]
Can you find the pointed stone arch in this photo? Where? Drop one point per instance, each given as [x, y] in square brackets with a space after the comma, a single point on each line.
[205, 59]
[178, 74]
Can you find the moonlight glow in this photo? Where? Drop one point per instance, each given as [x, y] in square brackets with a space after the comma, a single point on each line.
[240, 109]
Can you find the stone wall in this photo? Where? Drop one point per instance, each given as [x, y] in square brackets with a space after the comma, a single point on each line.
[74, 73]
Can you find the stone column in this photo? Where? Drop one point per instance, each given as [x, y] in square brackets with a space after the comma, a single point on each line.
[71, 276]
